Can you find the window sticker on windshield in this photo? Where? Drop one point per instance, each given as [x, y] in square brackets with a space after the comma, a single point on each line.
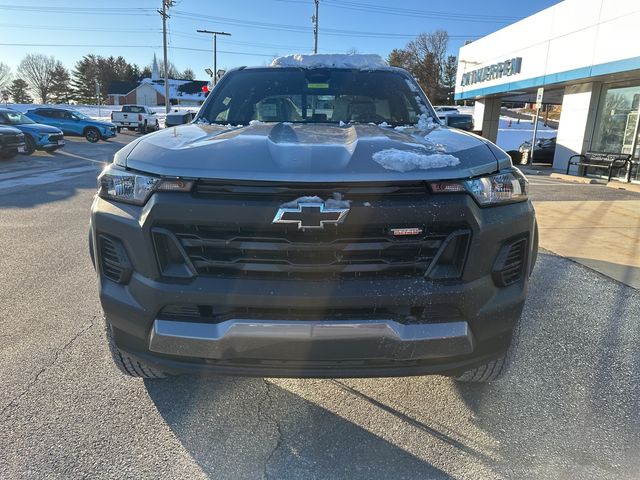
[226, 100]
[268, 110]
[314, 86]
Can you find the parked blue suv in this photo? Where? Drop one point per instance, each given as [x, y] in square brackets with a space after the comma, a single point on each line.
[72, 122]
[36, 136]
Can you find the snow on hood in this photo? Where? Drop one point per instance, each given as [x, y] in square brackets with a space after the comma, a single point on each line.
[407, 160]
[320, 60]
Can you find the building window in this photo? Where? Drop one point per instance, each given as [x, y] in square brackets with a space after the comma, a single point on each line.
[617, 120]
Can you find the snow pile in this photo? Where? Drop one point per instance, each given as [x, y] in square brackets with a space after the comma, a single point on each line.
[425, 122]
[320, 60]
[406, 160]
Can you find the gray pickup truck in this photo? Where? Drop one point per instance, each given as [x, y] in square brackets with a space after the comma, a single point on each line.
[315, 220]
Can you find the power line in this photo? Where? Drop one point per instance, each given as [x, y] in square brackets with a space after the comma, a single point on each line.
[71, 45]
[368, 8]
[171, 32]
[80, 10]
[300, 29]
[81, 29]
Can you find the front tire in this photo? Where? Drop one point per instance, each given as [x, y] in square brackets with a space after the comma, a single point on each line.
[29, 145]
[488, 372]
[92, 135]
[128, 365]
[7, 155]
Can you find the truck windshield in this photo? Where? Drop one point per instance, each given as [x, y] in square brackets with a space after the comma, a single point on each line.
[315, 96]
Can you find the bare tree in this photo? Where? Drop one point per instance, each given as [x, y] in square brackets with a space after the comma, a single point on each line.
[37, 70]
[425, 58]
[5, 75]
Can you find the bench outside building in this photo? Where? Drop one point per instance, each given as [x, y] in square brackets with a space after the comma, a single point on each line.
[620, 163]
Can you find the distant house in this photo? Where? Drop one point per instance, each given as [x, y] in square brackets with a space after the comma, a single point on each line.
[150, 91]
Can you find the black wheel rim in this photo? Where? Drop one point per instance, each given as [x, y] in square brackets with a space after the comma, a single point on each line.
[92, 136]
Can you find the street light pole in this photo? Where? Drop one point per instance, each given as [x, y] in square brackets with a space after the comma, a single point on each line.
[215, 51]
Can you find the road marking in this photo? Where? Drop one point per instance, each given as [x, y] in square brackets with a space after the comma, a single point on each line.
[80, 157]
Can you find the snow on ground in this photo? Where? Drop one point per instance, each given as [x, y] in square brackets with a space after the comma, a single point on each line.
[331, 60]
[102, 112]
[510, 137]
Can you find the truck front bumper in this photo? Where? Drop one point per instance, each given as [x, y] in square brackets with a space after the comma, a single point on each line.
[472, 322]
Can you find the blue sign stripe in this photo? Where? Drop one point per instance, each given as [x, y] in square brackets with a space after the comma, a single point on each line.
[544, 80]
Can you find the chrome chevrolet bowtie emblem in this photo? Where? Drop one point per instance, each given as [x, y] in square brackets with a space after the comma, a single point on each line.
[310, 215]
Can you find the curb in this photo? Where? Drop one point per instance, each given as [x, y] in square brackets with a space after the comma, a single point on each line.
[574, 179]
[631, 187]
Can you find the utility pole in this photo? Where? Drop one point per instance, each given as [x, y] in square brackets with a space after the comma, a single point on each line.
[163, 13]
[215, 51]
[99, 97]
[315, 27]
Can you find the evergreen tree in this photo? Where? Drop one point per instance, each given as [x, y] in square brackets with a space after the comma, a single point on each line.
[188, 75]
[145, 72]
[449, 77]
[84, 80]
[19, 91]
[60, 84]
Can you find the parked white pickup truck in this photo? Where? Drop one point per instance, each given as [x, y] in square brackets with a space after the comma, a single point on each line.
[135, 117]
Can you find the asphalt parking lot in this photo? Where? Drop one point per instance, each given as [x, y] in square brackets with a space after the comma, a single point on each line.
[569, 406]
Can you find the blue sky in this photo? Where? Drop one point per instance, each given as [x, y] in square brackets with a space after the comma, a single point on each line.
[261, 28]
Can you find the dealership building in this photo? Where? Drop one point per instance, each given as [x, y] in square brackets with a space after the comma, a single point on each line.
[585, 54]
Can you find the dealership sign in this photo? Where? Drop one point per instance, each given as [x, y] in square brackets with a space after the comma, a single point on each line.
[493, 72]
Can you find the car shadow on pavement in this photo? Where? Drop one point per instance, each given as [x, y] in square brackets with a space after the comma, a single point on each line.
[569, 404]
[251, 428]
[52, 192]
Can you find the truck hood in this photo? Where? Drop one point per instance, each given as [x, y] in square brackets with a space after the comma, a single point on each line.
[313, 153]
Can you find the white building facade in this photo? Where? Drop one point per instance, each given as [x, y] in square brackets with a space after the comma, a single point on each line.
[586, 56]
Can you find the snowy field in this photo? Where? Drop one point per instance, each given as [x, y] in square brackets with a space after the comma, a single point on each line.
[510, 137]
[104, 111]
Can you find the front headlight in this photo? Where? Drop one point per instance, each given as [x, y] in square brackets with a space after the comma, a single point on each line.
[126, 186]
[506, 187]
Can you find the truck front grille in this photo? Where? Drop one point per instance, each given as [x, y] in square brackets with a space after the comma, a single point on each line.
[333, 252]
[12, 140]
